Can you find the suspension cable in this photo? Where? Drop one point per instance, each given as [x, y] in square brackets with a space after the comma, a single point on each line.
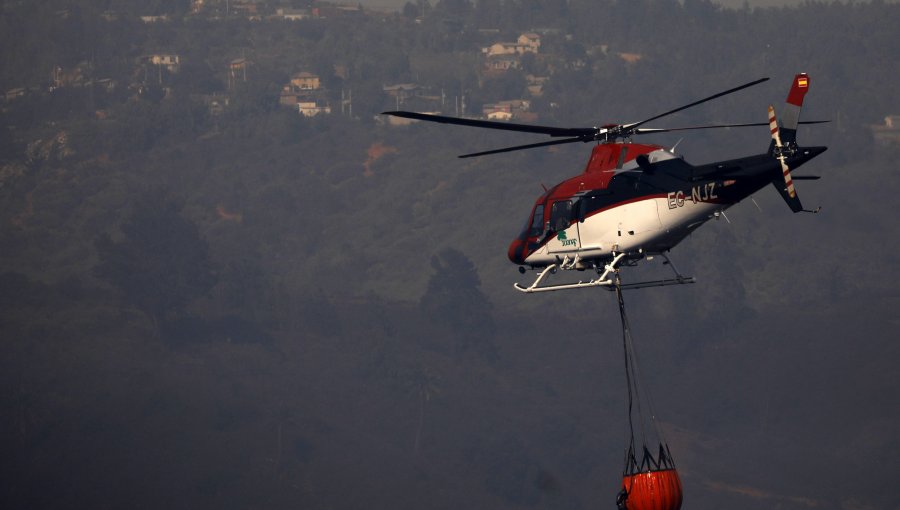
[638, 391]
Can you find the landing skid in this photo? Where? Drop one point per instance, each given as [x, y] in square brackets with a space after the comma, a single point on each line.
[603, 281]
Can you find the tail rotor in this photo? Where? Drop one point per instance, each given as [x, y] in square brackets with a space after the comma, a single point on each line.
[784, 142]
[778, 150]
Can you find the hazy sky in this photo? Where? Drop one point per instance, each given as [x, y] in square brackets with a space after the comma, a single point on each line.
[397, 4]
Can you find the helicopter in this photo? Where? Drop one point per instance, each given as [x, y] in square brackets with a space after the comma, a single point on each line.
[634, 201]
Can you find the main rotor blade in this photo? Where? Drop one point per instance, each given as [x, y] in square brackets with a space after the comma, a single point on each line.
[488, 124]
[523, 147]
[644, 131]
[695, 103]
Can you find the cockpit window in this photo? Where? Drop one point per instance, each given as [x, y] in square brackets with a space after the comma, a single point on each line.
[537, 223]
[561, 215]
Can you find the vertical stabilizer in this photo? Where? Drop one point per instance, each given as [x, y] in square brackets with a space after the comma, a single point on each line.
[790, 117]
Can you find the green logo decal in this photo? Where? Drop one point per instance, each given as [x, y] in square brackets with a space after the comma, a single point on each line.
[561, 236]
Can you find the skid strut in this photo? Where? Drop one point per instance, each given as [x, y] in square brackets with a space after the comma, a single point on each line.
[604, 280]
[601, 280]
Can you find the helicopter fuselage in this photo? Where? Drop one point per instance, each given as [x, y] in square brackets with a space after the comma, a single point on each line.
[639, 200]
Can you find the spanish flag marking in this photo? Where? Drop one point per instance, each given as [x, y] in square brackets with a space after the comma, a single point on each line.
[803, 83]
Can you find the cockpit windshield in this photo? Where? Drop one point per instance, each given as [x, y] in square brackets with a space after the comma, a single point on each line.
[537, 221]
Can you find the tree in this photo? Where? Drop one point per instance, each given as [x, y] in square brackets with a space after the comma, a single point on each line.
[454, 302]
[410, 10]
[456, 8]
[160, 264]
[488, 13]
[8, 146]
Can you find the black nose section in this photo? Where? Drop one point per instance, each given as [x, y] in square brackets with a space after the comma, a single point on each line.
[517, 252]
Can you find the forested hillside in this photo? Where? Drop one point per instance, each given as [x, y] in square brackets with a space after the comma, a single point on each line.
[209, 299]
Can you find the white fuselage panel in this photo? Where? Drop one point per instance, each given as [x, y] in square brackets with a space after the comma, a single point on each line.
[651, 225]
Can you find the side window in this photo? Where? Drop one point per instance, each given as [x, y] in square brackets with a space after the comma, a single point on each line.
[561, 215]
[537, 223]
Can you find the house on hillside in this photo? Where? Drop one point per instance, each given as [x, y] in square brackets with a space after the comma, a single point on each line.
[889, 132]
[502, 62]
[238, 66]
[155, 19]
[305, 88]
[237, 70]
[170, 62]
[401, 91]
[293, 14]
[305, 81]
[313, 108]
[528, 42]
[77, 76]
[506, 110]
[412, 96]
[498, 115]
[336, 9]
[249, 9]
[13, 94]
